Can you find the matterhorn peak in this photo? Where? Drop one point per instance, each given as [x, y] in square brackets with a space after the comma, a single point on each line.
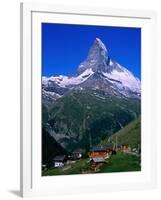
[98, 70]
[100, 44]
[98, 49]
[97, 58]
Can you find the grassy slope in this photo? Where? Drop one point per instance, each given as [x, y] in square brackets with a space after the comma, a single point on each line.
[117, 163]
[75, 168]
[130, 134]
[122, 163]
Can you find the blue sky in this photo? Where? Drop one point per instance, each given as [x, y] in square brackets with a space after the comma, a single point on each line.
[64, 47]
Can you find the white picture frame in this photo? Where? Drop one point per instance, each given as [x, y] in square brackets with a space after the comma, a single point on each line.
[32, 183]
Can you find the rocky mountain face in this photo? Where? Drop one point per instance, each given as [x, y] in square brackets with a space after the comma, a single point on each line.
[50, 148]
[99, 100]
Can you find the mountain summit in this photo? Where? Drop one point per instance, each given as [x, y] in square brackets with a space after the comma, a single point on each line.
[97, 71]
[97, 58]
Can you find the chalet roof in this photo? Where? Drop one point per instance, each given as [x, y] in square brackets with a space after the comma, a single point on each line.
[60, 158]
[98, 159]
[98, 148]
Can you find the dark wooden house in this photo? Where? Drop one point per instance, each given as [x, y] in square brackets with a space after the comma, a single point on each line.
[101, 151]
[59, 161]
[97, 162]
[125, 148]
[76, 154]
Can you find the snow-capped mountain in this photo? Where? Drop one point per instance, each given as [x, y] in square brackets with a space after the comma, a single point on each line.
[65, 81]
[97, 71]
[101, 98]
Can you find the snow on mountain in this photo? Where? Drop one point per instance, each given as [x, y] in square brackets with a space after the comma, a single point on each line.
[99, 61]
[50, 94]
[65, 81]
[48, 97]
[99, 67]
[124, 79]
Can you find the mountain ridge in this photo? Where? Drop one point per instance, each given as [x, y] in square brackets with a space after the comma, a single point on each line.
[98, 64]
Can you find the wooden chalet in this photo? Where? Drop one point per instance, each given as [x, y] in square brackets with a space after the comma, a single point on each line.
[76, 154]
[97, 162]
[59, 161]
[126, 148]
[101, 151]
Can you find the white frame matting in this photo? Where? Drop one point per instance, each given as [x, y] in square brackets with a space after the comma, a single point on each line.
[32, 183]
